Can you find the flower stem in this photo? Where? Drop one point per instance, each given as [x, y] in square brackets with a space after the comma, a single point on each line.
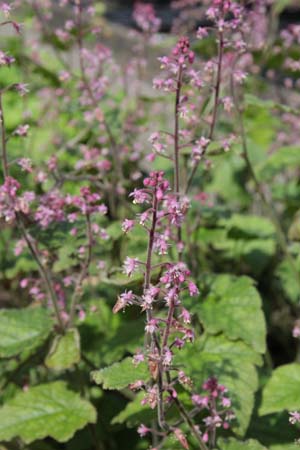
[217, 88]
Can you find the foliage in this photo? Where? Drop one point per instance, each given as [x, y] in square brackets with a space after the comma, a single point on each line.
[149, 235]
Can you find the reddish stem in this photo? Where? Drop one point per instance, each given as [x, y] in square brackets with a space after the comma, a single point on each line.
[176, 133]
[215, 106]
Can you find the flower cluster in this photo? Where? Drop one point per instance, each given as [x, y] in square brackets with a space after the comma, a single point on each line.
[145, 17]
[179, 60]
[214, 403]
[217, 403]
[295, 419]
[11, 203]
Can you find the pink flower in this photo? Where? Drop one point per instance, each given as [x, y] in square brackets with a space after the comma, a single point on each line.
[188, 335]
[149, 297]
[179, 343]
[161, 244]
[151, 326]
[227, 103]
[181, 438]
[19, 247]
[41, 177]
[151, 397]
[205, 437]
[22, 131]
[213, 421]
[184, 379]
[130, 266]
[51, 209]
[186, 317]
[212, 13]
[123, 300]
[21, 88]
[226, 402]
[193, 290]
[239, 76]
[6, 9]
[25, 164]
[296, 329]
[138, 358]
[62, 35]
[6, 60]
[24, 283]
[167, 357]
[145, 18]
[294, 417]
[68, 281]
[9, 202]
[201, 401]
[127, 225]
[81, 315]
[139, 196]
[64, 76]
[52, 163]
[201, 33]
[143, 430]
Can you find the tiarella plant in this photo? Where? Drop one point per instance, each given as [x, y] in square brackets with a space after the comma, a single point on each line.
[149, 240]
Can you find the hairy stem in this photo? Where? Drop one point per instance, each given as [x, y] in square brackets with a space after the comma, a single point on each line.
[217, 88]
[177, 147]
[153, 338]
[176, 134]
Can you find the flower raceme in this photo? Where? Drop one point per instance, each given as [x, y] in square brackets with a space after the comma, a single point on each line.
[166, 283]
[168, 321]
[145, 17]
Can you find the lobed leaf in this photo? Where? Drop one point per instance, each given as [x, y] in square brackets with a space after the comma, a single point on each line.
[282, 390]
[23, 330]
[233, 444]
[46, 410]
[65, 351]
[233, 306]
[121, 374]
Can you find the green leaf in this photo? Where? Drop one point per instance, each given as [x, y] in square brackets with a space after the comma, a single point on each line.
[249, 239]
[233, 307]
[46, 410]
[282, 390]
[121, 280]
[227, 179]
[267, 104]
[248, 226]
[134, 413]
[233, 444]
[294, 229]
[64, 351]
[280, 5]
[121, 374]
[250, 254]
[107, 337]
[291, 446]
[273, 430]
[23, 330]
[288, 279]
[283, 158]
[233, 363]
